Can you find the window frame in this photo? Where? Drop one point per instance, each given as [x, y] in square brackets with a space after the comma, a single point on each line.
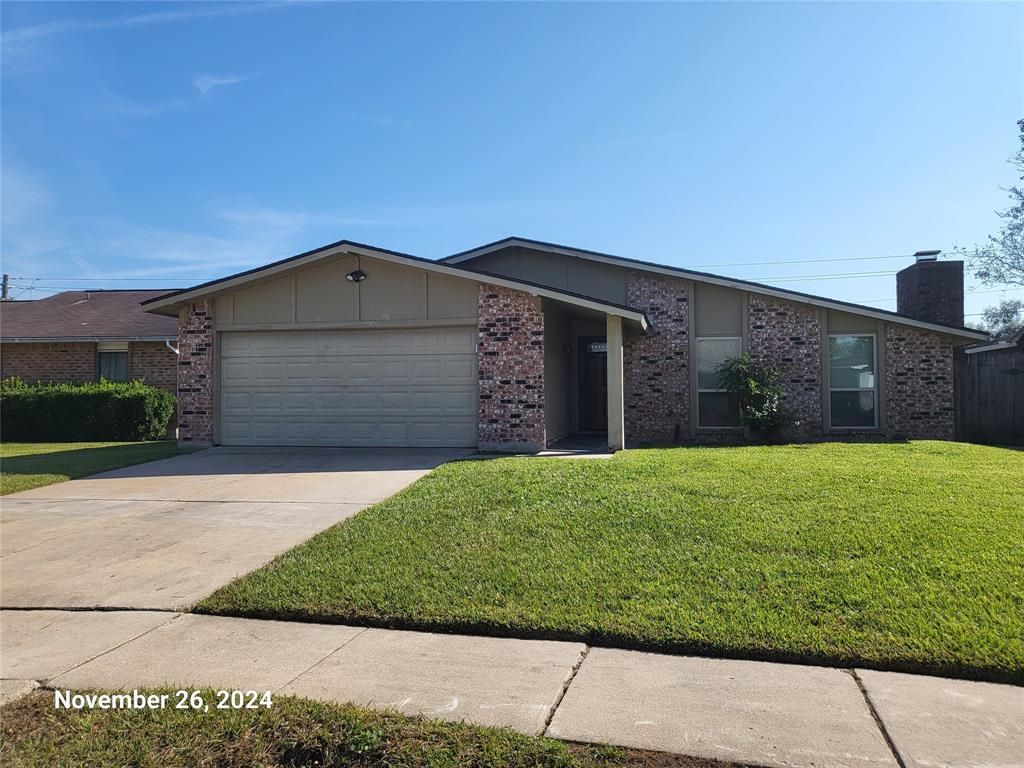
[874, 390]
[698, 389]
[114, 348]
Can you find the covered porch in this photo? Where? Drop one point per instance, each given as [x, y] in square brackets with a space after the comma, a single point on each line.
[584, 372]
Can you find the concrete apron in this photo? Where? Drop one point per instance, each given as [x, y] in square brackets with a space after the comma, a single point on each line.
[165, 534]
[741, 711]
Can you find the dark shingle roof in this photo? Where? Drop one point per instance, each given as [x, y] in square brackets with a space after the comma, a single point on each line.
[85, 315]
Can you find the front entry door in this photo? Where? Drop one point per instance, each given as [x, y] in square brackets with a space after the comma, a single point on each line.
[593, 384]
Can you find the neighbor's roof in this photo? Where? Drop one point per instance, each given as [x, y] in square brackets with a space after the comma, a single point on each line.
[1017, 340]
[85, 316]
[170, 303]
[729, 282]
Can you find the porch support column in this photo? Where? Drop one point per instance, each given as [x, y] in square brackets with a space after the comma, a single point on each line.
[616, 401]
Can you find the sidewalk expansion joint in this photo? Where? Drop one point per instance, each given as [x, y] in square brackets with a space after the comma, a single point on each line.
[115, 647]
[565, 689]
[321, 660]
[878, 719]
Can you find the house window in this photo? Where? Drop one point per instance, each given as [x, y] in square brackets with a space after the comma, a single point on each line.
[853, 383]
[716, 407]
[112, 361]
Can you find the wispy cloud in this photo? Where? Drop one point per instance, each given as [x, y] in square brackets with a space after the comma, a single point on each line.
[117, 106]
[294, 221]
[206, 83]
[38, 31]
[19, 45]
[38, 241]
[379, 120]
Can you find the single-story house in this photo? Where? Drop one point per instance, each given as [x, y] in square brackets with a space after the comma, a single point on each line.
[515, 344]
[79, 336]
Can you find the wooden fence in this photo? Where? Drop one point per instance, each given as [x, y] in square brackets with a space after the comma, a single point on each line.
[990, 396]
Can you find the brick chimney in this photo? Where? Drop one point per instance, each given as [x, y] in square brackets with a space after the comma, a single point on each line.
[931, 290]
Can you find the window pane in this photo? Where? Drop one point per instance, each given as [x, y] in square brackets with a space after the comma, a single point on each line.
[711, 353]
[853, 409]
[718, 409]
[114, 366]
[851, 362]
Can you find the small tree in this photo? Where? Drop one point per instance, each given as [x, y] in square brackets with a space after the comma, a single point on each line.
[759, 390]
[1004, 319]
[1001, 261]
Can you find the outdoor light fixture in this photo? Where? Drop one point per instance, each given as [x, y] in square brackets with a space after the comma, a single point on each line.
[356, 276]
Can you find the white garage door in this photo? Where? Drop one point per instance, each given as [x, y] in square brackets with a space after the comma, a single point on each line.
[413, 387]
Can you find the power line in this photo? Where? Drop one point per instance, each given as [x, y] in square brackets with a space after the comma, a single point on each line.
[694, 266]
[972, 252]
[969, 292]
[839, 276]
[132, 280]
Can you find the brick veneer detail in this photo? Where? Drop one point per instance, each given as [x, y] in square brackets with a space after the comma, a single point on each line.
[154, 363]
[918, 384]
[788, 336]
[58, 362]
[656, 376]
[511, 370]
[195, 373]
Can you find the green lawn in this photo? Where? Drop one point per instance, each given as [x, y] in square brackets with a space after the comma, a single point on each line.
[292, 733]
[894, 556]
[30, 465]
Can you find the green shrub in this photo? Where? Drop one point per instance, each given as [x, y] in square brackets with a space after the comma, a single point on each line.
[760, 392]
[103, 410]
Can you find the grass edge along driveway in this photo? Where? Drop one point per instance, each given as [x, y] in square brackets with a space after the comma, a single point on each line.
[904, 556]
[32, 465]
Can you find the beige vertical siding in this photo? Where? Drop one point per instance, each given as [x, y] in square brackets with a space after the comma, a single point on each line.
[321, 296]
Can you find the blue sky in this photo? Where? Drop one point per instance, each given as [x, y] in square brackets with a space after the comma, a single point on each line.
[163, 144]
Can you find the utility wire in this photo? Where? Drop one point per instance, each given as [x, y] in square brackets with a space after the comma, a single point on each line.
[972, 252]
[693, 266]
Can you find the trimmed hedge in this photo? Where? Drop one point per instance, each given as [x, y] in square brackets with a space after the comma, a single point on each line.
[59, 413]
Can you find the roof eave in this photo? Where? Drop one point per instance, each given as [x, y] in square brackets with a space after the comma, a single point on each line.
[171, 303]
[743, 285]
[79, 339]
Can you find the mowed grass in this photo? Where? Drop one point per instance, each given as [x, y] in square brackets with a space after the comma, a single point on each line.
[30, 465]
[893, 556]
[292, 733]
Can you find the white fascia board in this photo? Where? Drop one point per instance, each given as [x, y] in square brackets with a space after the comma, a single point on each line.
[990, 347]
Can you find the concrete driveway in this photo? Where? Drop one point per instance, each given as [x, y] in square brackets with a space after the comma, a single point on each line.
[166, 534]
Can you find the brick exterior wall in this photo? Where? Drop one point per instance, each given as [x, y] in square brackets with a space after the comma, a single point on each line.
[58, 362]
[75, 362]
[656, 376]
[788, 336]
[154, 363]
[932, 291]
[511, 369]
[919, 401]
[195, 373]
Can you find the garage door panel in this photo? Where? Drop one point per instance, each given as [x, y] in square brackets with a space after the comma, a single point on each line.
[415, 387]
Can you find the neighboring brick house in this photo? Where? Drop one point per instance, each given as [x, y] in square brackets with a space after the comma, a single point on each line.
[516, 344]
[79, 336]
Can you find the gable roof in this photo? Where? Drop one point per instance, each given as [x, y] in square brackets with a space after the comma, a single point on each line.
[706, 277]
[85, 316]
[169, 303]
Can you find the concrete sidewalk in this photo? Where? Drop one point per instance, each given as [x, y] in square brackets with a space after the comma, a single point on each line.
[759, 713]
